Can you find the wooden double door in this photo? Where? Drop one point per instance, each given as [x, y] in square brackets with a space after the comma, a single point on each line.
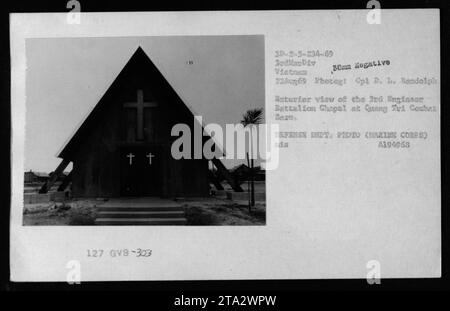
[140, 171]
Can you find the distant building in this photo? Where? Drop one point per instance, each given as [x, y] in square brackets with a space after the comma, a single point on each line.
[33, 177]
[260, 174]
[241, 173]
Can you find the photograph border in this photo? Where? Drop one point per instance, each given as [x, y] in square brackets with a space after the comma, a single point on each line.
[246, 285]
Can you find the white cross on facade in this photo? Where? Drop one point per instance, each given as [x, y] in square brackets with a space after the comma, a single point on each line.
[150, 156]
[140, 105]
[130, 156]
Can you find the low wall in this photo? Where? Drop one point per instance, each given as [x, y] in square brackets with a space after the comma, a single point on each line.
[259, 196]
[33, 198]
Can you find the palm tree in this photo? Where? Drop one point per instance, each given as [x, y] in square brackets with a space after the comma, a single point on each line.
[252, 118]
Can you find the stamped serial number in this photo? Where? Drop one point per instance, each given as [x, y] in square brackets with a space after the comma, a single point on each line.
[124, 252]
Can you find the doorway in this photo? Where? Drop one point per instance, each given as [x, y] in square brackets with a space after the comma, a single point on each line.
[140, 171]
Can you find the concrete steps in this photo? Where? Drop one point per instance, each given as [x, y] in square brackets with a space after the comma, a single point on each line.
[140, 212]
[140, 221]
[134, 208]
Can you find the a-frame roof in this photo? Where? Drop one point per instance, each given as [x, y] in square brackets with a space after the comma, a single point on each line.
[161, 86]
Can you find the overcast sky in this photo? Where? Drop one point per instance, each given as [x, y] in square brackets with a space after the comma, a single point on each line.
[66, 77]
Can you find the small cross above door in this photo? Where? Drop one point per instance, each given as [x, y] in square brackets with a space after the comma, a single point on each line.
[150, 156]
[130, 156]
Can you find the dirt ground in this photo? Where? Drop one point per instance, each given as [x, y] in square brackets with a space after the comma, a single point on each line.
[199, 212]
[222, 212]
[74, 213]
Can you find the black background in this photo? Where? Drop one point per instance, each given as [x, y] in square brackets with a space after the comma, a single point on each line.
[167, 291]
